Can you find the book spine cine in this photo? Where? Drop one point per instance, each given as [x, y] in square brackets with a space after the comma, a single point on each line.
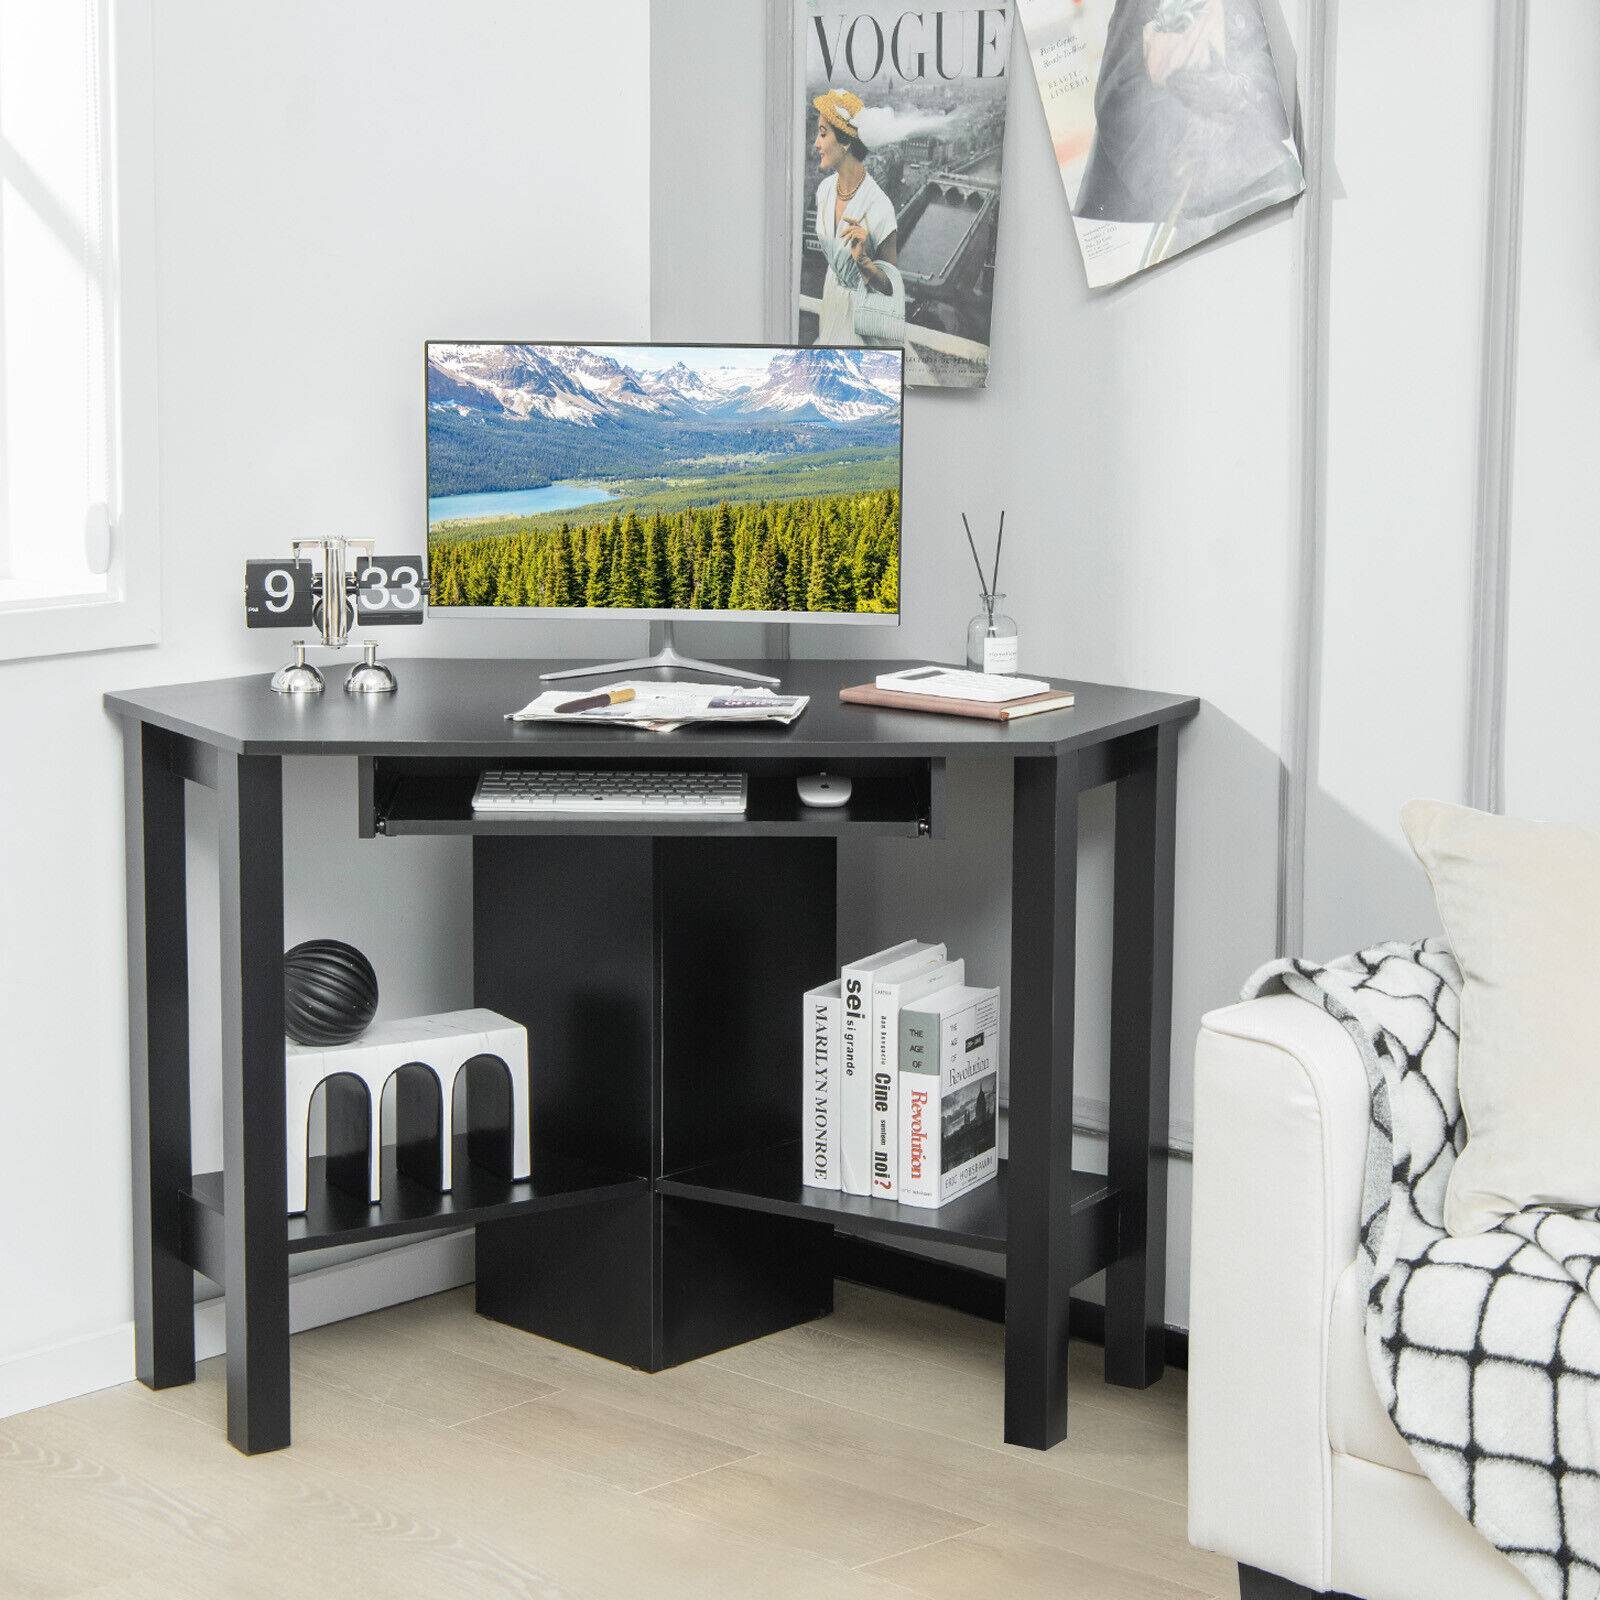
[820, 1042]
[885, 1098]
[859, 985]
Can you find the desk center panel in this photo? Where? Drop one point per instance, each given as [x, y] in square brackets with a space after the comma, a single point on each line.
[659, 980]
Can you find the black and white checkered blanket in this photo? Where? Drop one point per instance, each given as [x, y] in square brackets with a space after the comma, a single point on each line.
[1486, 1350]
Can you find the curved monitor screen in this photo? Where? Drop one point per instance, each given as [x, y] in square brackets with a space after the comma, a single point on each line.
[665, 480]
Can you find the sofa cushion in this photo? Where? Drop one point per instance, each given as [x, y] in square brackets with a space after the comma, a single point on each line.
[1397, 1538]
[1357, 1423]
[1520, 903]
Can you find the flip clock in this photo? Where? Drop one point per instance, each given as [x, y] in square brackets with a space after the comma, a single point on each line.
[330, 586]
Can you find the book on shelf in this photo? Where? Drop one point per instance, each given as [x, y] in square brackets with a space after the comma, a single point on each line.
[820, 1035]
[902, 960]
[888, 996]
[949, 1094]
[869, 694]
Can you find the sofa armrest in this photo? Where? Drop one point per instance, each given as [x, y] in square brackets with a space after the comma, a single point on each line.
[1280, 1139]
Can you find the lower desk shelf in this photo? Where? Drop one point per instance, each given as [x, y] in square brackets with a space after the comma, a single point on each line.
[764, 1180]
[769, 1180]
[335, 1216]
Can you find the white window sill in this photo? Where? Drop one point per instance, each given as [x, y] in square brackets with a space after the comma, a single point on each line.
[35, 622]
[23, 594]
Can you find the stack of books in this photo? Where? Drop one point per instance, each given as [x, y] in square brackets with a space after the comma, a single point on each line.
[948, 691]
[902, 1078]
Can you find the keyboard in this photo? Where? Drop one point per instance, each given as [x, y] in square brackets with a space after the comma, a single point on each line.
[613, 793]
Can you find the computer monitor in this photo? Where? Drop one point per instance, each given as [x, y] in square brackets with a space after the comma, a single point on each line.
[665, 481]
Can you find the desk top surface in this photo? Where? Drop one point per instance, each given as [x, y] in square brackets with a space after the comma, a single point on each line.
[457, 708]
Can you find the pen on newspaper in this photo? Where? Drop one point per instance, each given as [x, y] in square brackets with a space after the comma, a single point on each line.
[593, 702]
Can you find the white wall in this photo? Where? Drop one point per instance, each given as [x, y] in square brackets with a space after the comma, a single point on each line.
[1409, 369]
[1404, 360]
[334, 185]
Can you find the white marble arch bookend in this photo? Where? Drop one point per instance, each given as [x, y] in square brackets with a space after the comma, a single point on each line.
[357, 1074]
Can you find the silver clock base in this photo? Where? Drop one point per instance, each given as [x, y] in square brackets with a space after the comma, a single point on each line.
[369, 675]
[299, 676]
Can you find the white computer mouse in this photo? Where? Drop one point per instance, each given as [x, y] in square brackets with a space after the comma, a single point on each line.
[822, 789]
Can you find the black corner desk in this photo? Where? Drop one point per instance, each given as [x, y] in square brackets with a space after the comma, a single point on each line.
[657, 966]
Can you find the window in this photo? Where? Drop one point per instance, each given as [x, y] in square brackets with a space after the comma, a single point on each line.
[77, 509]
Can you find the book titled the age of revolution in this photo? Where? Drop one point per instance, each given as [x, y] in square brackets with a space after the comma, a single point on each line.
[949, 1094]
[888, 997]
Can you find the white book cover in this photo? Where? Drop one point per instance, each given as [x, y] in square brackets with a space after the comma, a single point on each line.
[855, 1059]
[887, 999]
[949, 1094]
[820, 1042]
[952, 683]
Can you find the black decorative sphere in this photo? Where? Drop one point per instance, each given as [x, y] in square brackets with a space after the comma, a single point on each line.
[330, 992]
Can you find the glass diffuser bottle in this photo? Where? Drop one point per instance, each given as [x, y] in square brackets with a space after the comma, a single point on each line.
[992, 637]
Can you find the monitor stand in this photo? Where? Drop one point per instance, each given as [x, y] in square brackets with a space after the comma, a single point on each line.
[665, 656]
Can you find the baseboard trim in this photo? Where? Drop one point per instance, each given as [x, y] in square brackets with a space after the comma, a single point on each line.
[431, 1266]
[58, 1372]
[979, 1294]
[326, 1294]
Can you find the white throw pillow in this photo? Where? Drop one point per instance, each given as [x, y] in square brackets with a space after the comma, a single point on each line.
[1520, 903]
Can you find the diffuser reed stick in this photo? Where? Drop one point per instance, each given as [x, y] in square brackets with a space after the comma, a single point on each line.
[991, 587]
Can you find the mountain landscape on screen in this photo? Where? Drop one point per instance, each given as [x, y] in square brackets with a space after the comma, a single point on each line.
[591, 387]
[664, 478]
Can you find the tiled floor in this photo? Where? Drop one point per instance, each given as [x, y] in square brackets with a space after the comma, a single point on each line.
[439, 1455]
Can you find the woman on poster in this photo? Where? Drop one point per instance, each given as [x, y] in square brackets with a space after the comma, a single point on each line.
[856, 222]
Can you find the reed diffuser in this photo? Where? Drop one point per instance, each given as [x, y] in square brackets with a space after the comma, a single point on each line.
[991, 635]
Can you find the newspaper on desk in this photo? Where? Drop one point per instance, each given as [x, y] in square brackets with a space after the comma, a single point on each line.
[662, 707]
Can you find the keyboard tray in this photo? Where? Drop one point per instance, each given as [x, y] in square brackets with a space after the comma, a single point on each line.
[403, 795]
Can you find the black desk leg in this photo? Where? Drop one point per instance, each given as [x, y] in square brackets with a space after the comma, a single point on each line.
[1039, 1270]
[250, 862]
[158, 1057]
[1141, 1050]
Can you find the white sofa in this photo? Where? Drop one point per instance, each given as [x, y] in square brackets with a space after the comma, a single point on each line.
[1295, 1470]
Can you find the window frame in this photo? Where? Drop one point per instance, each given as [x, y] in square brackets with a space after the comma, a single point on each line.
[127, 615]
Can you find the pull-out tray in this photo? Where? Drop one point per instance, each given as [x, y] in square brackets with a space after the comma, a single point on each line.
[900, 798]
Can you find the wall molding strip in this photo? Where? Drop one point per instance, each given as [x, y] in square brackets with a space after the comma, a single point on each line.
[1497, 411]
[780, 196]
[1320, 30]
[1091, 1119]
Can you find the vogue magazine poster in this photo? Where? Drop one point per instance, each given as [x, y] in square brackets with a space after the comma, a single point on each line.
[1168, 122]
[900, 130]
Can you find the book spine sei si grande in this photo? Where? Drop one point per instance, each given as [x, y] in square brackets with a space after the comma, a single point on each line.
[949, 1095]
[887, 999]
[821, 1042]
[855, 1106]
